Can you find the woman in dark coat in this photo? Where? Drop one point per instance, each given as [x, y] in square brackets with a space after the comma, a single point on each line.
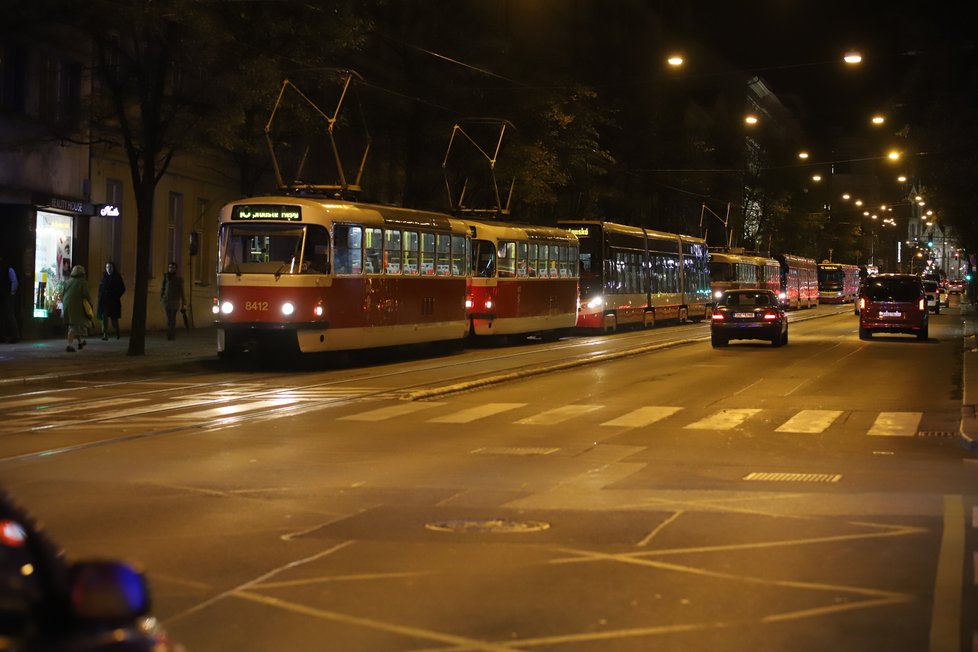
[110, 291]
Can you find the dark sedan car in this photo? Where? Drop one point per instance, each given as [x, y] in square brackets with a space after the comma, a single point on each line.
[749, 315]
[50, 604]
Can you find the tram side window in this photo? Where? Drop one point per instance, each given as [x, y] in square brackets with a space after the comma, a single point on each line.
[427, 253]
[373, 247]
[506, 259]
[392, 251]
[347, 248]
[568, 257]
[573, 260]
[460, 254]
[410, 252]
[522, 269]
[532, 264]
[443, 251]
[315, 258]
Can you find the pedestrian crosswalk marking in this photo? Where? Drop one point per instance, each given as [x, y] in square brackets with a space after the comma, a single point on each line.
[389, 412]
[810, 421]
[477, 412]
[232, 409]
[723, 420]
[558, 415]
[896, 424]
[643, 416]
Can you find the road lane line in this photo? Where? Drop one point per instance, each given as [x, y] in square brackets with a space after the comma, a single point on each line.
[945, 623]
[896, 424]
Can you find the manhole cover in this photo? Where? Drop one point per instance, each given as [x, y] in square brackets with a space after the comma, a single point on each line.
[489, 525]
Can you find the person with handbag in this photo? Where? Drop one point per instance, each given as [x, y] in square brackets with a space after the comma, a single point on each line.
[76, 301]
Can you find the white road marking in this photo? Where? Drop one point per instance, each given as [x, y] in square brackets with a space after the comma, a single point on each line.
[389, 412]
[810, 421]
[722, 420]
[477, 412]
[896, 424]
[643, 416]
[559, 415]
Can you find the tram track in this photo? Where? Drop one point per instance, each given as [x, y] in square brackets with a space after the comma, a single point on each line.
[475, 375]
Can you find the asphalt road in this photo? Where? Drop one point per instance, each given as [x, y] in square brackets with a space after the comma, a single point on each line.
[808, 497]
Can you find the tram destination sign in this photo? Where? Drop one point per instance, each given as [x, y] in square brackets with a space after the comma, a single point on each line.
[267, 212]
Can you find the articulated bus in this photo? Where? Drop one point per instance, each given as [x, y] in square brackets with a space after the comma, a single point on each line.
[523, 281]
[312, 274]
[799, 281]
[837, 282]
[634, 276]
[737, 269]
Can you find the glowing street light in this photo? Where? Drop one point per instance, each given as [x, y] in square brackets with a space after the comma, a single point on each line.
[893, 155]
[852, 58]
[803, 155]
[878, 119]
[675, 60]
[751, 120]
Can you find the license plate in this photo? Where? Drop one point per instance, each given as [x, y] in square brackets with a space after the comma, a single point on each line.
[743, 315]
[890, 313]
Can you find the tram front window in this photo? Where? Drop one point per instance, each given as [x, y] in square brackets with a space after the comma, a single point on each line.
[722, 272]
[274, 249]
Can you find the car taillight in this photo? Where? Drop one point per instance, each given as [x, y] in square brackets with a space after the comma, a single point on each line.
[717, 316]
[770, 315]
[862, 302]
[922, 304]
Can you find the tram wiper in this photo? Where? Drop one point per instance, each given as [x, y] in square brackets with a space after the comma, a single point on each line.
[278, 272]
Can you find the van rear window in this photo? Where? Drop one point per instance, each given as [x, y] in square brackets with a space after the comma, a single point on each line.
[893, 289]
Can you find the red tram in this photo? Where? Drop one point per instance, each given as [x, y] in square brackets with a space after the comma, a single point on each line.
[635, 276]
[736, 269]
[316, 274]
[799, 281]
[523, 281]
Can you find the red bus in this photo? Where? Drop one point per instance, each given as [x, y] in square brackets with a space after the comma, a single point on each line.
[636, 276]
[523, 280]
[837, 282]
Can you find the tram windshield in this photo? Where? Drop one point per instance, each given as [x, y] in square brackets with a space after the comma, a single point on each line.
[274, 249]
[722, 271]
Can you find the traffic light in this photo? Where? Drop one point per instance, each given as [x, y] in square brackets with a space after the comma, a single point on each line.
[930, 243]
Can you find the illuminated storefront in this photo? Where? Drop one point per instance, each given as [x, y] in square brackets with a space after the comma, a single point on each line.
[52, 261]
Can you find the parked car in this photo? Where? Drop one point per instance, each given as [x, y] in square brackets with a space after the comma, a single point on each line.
[893, 303]
[51, 604]
[932, 290]
[748, 315]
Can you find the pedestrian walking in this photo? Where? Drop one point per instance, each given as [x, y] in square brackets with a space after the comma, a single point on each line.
[73, 299]
[9, 330]
[110, 291]
[171, 296]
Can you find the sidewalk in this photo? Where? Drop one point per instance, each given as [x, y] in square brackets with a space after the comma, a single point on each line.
[30, 361]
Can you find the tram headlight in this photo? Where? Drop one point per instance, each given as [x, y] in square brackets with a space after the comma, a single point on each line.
[782, 296]
[319, 310]
[488, 304]
[595, 303]
[216, 307]
[288, 308]
[469, 303]
[227, 308]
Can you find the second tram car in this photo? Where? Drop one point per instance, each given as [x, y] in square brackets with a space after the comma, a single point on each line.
[799, 281]
[523, 281]
[837, 282]
[736, 269]
[635, 276]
